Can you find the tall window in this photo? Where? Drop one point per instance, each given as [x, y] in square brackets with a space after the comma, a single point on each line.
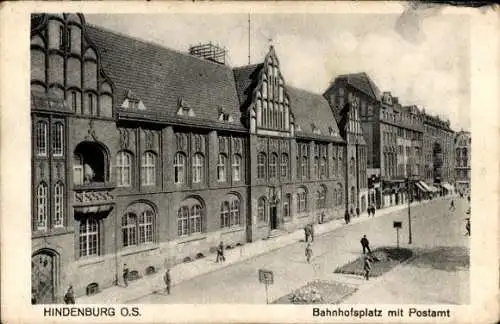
[273, 164]
[352, 166]
[148, 169]
[235, 213]
[77, 169]
[189, 217]
[335, 198]
[198, 162]
[92, 104]
[58, 205]
[261, 166]
[89, 237]
[123, 169]
[41, 138]
[179, 168]
[74, 101]
[301, 200]
[304, 166]
[316, 167]
[339, 163]
[236, 167]
[129, 229]
[322, 167]
[261, 210]
[286, 206]
[340, 194]
[221, 168]
[146, 221]
[57, 139]
[284, 165]
[353, 196]
[42, 207]
[230, 213]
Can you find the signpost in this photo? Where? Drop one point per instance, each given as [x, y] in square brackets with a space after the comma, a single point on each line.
[267, 278]
[397, 226]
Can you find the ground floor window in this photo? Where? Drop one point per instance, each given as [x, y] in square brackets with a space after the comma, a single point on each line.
[190, 217]
[89, 237]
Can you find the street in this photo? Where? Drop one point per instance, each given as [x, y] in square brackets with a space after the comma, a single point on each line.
[433, 226]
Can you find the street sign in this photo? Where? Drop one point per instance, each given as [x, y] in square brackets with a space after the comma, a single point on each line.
[266, 277]
[397, 224]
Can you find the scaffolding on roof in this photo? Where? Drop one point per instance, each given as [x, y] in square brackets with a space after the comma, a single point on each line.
[209, 52]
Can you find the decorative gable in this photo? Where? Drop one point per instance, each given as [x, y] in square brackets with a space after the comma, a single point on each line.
[183, 109]
[132, 102]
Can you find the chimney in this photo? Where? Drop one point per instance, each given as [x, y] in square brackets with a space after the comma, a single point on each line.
[209, 52]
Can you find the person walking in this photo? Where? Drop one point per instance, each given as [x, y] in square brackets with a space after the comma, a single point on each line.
[306, 233]
[220, 253]
[311, 232]
[309, 253]
[367, 267]
[346, 217]
[125, 274]
[365, 244]
[373, 210]
[168, 280]
[69, 297]
[357, 211]
[467, 226]
[452, 205]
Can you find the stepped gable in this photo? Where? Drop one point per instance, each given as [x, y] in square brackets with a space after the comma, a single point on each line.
[312, 109]
[161, 77]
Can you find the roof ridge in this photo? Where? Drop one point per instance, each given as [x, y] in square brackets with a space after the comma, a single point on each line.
[247, 66]
[151, 43]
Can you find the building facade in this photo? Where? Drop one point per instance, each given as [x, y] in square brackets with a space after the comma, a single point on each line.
[463, 162]
[148, 157]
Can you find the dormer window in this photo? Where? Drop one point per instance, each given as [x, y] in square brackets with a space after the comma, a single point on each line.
[224, 116]
[133, 104]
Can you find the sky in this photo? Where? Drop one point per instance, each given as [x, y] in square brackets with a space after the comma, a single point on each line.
[422, 57]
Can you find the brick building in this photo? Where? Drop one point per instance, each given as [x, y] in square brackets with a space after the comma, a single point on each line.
[462, 161]
[148, 156]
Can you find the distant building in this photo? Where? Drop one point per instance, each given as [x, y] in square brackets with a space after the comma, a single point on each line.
[463, 161]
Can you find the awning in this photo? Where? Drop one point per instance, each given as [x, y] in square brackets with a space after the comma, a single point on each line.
[434, 189]
[424, 185]
[447, 186]
[419, 186]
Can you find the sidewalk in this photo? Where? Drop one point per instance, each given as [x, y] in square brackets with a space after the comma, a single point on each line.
[185, 271]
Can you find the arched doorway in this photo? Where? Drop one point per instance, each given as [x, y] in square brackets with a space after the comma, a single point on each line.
[43, 277]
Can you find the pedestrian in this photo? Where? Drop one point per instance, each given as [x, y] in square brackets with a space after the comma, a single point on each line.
[373, 210]
[69, 297]
[125, 274]
[467, 226]
[357, 211]
[365, 244]
[367, 267]
[306, 234]
[346, 217]
[452, 205]
[322, 218]
[309, 253]
[167, 279]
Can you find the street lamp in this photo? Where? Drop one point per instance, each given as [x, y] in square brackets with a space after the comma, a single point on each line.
[409, 209]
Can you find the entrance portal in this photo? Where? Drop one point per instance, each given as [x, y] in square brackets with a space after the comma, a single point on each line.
[274, 217]
[43, 278]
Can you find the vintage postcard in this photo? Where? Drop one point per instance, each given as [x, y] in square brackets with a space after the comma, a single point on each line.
[249, 162]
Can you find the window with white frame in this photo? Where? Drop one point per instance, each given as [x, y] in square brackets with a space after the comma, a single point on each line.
[148, 169]
[41, 138]
[190, 217]
[58, 205]
[224, 214]
[146, 223]
[301, 200]
[230, 212]
[42, 207]
[129, 229]
[89, 237]
[261, 166]
[261, 210]
[273, 164]
[221, 168]
[284, 165]
[179, 168]
[198, 168]
[57, 139]
[123, 169]
[235, 219]
[236, 167]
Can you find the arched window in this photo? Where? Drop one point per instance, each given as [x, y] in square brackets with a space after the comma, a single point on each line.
[89, 237]
[123, 169]
[146, 223]
[41, 138]
[57, 139]
[190, 217]
[286, 206]
[148, 169]
[179, 168]
[304, 166]
[273, 165]
[322, 167]
[321, 198]
[236, 167]
[224, 215]
[230, 212]
[284, 165]
[221, 168]
[261, 210]
[198, 164]
[340, 194]
[301, 200]
[261, 166]
[129, 229]
[316, 167]
[90, 163]
[58, 205]
[42, 207]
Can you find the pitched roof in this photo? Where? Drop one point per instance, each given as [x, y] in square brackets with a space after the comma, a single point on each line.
[311, 108]
[160, 77]
[362, 82]
[246, 78]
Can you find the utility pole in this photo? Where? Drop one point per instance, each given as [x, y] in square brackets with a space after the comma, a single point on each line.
[248, 38]
[409, 212]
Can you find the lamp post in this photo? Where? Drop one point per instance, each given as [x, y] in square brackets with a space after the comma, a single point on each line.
[409, 209]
